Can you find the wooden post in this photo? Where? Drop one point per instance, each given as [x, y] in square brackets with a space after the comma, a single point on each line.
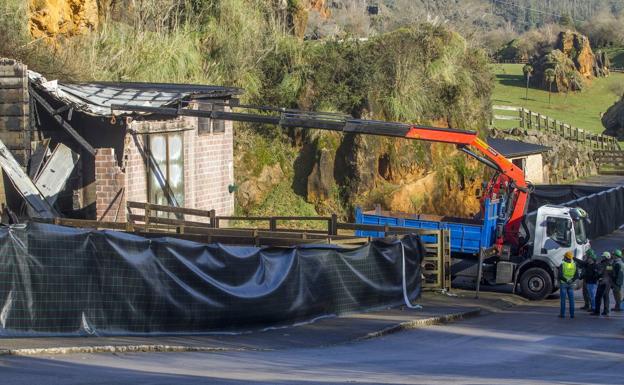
[213, 219]
[521, 113]
[272, 224]
[147, 216]
[539, 122]
[333, 225]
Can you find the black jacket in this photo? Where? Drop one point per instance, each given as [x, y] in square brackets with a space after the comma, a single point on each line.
[588, 270]
[606, 271]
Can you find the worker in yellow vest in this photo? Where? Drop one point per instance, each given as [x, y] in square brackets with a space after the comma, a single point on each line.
[568, 275]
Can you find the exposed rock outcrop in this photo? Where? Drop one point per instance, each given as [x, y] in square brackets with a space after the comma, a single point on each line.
[576, 46]
[49, 19]
[572, 62]
[613, 120]
[254, 191]
[565, 161]
[321, 181]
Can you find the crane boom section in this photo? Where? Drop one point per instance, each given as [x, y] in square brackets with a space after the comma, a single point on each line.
[511, 179]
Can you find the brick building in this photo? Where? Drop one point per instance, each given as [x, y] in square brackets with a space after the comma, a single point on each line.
[125, 156]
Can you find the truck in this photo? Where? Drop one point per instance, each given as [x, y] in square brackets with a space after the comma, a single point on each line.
[509, 245]
[553, 231]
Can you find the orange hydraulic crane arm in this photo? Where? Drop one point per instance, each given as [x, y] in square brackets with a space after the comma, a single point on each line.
[470, 138]
[510, 180]
[511, 177]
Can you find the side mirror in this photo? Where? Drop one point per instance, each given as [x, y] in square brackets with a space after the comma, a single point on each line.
[569, 225]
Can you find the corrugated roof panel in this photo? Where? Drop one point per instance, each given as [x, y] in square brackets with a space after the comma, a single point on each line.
[96, 98]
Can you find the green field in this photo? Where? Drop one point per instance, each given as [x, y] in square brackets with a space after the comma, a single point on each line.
[579, 109]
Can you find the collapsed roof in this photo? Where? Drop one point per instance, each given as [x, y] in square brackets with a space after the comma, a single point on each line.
[96, 98]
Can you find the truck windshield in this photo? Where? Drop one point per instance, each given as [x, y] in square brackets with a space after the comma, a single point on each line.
[579, 231]
[558, 231]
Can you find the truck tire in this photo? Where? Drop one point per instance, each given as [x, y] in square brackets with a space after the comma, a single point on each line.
[536, 284]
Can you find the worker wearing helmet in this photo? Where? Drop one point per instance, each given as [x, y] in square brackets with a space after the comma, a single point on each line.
[605, 281]
[618, 279]
[568, 274]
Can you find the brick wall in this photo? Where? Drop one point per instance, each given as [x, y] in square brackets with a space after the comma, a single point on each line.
[135, 168]
[208, 161]
[208, 168]
[110, 186]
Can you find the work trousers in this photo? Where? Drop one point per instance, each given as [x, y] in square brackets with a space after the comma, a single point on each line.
[602, 294]
[566, 290]
[617, 294]
[591, 290]
[586, 297]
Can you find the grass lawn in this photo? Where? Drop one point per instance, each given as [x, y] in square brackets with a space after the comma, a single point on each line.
[579, 109]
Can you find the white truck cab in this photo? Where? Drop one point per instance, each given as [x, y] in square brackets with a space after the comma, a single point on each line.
[558, 229]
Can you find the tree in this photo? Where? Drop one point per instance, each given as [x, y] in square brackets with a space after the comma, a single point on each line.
[528, 71]
[550, 76]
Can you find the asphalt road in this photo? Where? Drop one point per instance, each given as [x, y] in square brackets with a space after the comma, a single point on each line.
[523, 345]
[520, 345]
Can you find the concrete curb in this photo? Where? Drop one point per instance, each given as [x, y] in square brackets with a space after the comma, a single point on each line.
[417, 323]
[159, 348]
[116, 349]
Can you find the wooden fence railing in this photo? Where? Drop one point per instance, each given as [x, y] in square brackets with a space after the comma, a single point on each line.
[610, 162]
[149, 220]
[528, 119]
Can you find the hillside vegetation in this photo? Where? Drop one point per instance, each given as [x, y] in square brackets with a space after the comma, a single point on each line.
[422, 74]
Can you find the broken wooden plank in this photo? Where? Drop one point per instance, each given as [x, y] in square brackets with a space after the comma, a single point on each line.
[38, 157]
[55, 172]
[39, 207]
[66, 126]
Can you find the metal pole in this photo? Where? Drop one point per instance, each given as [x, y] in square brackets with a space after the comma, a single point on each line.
[479, 273]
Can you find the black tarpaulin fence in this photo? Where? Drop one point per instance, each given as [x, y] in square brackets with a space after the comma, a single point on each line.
[57, 280]
[604, 207]
[560, 194]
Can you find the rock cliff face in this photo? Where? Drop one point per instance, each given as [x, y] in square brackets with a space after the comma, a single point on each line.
[613, 120]
[52, 18]
[576, 47]
[301, 12]
[573, 62]
[565, 161]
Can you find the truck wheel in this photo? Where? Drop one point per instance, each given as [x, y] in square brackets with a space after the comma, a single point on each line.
[536, 284]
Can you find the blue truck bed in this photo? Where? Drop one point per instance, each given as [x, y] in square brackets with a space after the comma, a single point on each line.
[467, 235]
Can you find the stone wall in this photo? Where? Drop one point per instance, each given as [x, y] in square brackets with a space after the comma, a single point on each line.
[565, 161]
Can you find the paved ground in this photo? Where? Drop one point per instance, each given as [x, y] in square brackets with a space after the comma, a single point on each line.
[324, 332]
[521, 344]
[602, 180]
